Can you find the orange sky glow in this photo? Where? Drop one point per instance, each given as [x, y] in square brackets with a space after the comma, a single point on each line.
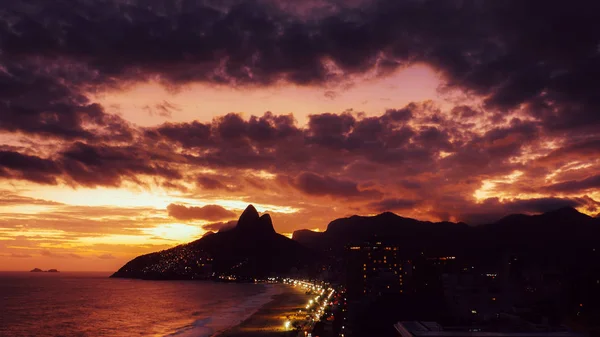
[112, 149]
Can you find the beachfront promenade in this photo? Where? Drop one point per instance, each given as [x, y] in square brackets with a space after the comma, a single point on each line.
[293, 312]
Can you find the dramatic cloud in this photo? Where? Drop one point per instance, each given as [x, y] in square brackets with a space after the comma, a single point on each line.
[14, 165]
[261, 43]
[210, 183]
[208, 212]
[91, 165]
[588, 183]
[393, 204]
[220, 226]
[87, 165]
[314, 184]
[515, 128]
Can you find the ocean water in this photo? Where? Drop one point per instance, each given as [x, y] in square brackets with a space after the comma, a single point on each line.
[91, 304]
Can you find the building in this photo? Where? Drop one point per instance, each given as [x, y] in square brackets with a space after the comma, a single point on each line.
[375, 269]
[474, 295]
[433, 329]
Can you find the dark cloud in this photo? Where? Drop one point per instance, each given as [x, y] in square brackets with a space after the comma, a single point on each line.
[329, 129]
[492, 151]
[14, 165]
[208, 212]
[46, 99]
[393, 204]
[464, 111]
[314, 184]
[592, 182]
[538, 60]
[575, 150]
[220, 226]
[541, 205]
[54, 54]
[209, 183]
[88, 165]
[276, 142]
[106, 165]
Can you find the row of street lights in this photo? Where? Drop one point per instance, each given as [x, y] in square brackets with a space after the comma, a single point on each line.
[319, 308]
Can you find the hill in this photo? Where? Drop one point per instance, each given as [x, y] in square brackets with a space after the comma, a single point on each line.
[251, 249]
[562, 232]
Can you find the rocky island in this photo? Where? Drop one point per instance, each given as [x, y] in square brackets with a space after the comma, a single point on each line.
[38, 270]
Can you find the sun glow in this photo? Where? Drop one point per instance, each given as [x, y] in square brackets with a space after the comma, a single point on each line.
[30, 233]
[176, 232]
[103, 196]
[157, 198]
[488, 186]
[141, 103]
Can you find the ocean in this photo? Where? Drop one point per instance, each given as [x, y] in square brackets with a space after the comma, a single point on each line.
[91, 304]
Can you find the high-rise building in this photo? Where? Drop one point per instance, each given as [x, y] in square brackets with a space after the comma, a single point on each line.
[375, 269]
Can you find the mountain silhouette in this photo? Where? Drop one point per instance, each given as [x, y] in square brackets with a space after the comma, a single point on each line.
[251, 249]
[560, 233]
[412, 235]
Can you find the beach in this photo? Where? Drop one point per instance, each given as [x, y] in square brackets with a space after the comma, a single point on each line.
[269, 320]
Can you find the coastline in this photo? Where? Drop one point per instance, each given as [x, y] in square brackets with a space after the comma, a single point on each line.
[268, 320]
[219, 322]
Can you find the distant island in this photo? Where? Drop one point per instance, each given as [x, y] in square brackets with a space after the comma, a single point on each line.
[38, 270]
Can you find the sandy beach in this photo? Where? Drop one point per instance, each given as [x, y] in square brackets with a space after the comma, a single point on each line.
[269, 320]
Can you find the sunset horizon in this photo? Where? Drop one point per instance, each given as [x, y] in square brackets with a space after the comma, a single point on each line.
[150, 129]
[314, 168]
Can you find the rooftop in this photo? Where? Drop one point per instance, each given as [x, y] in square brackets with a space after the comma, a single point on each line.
[433, 329]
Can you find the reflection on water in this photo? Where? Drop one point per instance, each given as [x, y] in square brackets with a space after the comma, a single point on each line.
[91, 304]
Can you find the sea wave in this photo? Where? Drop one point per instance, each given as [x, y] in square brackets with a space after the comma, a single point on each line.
[228, 316]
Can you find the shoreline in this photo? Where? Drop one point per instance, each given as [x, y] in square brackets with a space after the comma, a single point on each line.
[214, 324]
[269, 319]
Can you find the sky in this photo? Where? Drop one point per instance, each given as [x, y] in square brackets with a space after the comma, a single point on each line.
[128, 127]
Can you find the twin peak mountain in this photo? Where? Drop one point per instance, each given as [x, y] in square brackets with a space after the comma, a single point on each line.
[250, 249]
[253, 224]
